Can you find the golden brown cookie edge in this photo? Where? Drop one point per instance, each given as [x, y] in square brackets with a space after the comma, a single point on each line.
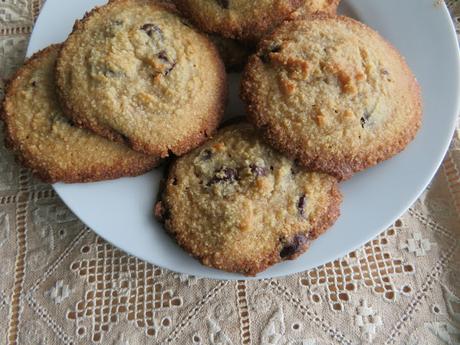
[33, 164]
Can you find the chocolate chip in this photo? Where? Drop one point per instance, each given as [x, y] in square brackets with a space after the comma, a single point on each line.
[301, 205]
[206, 155]
[297, 243]
[224, 3]
[265, 55]
[230, 174]
[258, 170]
[152, 30]
[171, 64]
[365, 119]
[34, 83]
[227, 175]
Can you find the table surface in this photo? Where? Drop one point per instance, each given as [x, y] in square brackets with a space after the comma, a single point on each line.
[61, 284]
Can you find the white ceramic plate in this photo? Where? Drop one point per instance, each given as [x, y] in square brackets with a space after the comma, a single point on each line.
[121, 211]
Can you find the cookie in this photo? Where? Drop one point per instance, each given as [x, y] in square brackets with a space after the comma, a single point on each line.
[238, 205]
[46, 142]
[333, 94]
[133, 72]
[238, 19]
[247, 20]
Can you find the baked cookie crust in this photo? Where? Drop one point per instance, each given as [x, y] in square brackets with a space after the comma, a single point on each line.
[238, 205]
[133, 72]
[47, 143]
[331, 93]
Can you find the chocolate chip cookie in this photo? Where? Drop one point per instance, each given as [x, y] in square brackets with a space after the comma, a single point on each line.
[45, 141]
[333, 94]
[247, 20]
[133, 72]
[239, 206]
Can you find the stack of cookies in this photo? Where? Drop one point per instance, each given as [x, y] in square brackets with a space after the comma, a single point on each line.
[138, 81]
[131, 85]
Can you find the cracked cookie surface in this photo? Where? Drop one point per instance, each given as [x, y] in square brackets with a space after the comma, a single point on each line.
[248, 20]
[238, 205]
[45, 141]
[132, 71]
[333, 94]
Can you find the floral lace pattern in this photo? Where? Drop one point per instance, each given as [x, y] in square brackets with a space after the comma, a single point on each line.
[61, 284]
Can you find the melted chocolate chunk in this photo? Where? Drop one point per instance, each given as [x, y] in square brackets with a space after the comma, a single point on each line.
[224, 3]
[152, 30]
[34, 83]
[258, 170]
[365, 119]
[297, 243]
[224, 175]
[301, 205]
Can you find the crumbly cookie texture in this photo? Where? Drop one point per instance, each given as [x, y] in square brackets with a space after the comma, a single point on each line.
[239, 206]
[133, 71]
[45, 141]
[333, 94]
[248, 20]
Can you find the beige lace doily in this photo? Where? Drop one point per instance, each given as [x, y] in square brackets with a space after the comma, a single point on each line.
[61, 284]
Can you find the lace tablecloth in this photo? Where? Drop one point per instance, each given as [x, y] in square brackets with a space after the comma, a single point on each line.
[61, 284]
